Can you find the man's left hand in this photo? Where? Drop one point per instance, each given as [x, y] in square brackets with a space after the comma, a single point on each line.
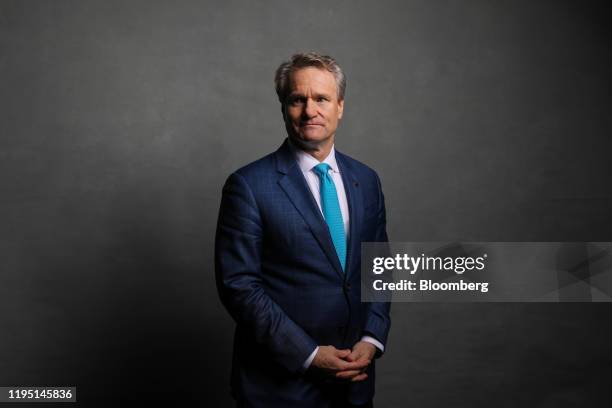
[362, 351]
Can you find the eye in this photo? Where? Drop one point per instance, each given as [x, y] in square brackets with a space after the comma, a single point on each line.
[296, 101]
[322, 99]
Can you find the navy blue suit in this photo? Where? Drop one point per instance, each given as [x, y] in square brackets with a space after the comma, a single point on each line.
[279, 277]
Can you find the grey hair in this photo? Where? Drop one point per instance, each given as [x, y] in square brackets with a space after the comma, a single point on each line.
[303, 60]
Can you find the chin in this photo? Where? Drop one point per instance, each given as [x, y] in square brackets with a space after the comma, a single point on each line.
[314, 136]
[312, 139]
[307, 143]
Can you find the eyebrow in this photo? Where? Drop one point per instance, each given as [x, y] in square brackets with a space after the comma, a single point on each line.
[316, 95]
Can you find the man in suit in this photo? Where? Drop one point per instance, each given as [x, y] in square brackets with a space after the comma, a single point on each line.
[287, 256]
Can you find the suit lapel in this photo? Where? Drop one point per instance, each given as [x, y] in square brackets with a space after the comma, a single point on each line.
[354, 198]
[294, 185]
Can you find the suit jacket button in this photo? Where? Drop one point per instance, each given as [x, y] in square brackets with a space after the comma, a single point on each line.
[347, 286]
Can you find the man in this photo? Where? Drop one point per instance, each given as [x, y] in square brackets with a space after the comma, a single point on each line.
[287, 256]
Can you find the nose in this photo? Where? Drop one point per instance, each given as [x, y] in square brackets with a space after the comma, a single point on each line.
[310, 110]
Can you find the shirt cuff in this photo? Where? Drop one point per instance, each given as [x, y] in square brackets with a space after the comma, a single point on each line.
[373, 341]
[309, 359]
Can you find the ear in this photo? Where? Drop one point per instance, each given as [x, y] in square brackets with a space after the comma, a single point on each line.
[340, 108]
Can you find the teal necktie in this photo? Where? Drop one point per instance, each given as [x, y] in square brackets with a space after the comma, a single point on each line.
[331, 211]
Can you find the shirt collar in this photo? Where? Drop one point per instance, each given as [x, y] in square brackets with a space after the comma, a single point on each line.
[306, 162]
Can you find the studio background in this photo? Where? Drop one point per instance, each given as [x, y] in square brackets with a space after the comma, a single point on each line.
[486, 120]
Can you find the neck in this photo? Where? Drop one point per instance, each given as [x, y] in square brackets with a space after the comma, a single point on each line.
[317, 150]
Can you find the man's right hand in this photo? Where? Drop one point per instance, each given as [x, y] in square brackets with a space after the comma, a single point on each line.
[332, 362]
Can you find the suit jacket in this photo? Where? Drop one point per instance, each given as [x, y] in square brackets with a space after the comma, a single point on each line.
[279, 276]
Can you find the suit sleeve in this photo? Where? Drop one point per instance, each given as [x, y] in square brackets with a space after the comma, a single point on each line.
[378, 320]
[238, 249]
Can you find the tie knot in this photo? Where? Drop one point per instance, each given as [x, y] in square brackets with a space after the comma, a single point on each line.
[321, 169]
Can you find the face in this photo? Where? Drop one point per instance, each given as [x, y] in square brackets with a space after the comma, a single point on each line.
[312, 110]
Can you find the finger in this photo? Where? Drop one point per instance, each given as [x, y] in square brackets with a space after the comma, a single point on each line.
[347, 375]
[354, 356]
[359, 377]
[336, 363]
[354, 365]
[343, 353]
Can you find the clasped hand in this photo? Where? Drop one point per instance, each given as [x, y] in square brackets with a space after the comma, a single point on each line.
[348, 365]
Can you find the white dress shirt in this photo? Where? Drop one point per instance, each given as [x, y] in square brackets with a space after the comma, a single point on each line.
[307, 163]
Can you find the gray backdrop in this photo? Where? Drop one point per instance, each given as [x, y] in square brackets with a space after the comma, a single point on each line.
[486, 120]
